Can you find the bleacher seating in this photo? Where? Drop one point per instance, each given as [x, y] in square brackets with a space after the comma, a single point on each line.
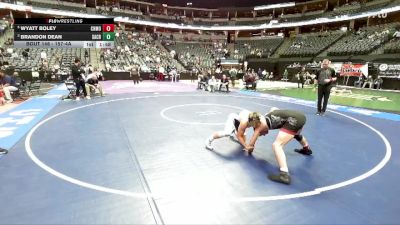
[258, 48]
[361, 42]
[374, 5]
[393, 3]
[252, 21]
[393, 46]
[313, 15]
[202, 55]
[117, 13]
[143, 52]
[346, 9]
[248, 22]
[210, 23]
[63, 57]
[307, 45]
[58, 5]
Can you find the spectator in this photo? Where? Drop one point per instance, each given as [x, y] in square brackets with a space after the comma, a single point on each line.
[43, 56]
[250, 81]
[135, 75]
[161, 72]
[308, 78]
[204, 81]
[224, 82]
[25, 54]
[174, 75]
[102, 56]
[193, 73]
[396, 34]
[271, 76]
[358, 83]
[212, 83]
[301, 77]
[2, 100]
[200, 82]
[264, 74]
[86, 56]
[233, 73]
[285, 75]
[8, 85]
[369, 81]
[378, 82]
[259, 72]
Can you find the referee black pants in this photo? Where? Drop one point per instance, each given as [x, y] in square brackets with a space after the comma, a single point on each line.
[80, 83]
[323, 93]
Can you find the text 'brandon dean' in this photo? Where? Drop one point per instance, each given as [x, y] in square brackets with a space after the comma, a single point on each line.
[65, 20]
[42, 36]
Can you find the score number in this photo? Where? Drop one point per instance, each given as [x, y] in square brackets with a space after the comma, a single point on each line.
[108, 32]
[108, 36]
[108, 27]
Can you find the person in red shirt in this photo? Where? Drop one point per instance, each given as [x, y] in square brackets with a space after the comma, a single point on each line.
[2, 100]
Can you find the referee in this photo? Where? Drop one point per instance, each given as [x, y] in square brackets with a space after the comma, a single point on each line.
[325, 78]
[76, 72]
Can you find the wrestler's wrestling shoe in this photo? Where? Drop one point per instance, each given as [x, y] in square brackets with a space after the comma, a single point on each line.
[282, 177]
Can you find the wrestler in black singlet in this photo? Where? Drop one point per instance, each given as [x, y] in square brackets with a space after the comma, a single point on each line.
[289, 121]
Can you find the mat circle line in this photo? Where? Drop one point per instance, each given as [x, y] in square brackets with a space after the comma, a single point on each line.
[316, 191]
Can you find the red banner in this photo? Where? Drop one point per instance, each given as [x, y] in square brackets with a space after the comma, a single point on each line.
[353, 69]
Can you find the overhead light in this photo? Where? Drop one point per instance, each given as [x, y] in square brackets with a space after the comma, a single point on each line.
[274, 6]
[189, 4]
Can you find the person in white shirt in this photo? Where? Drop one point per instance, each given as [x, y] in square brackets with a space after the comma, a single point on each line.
[161, 72]
[14, 55]
[212, 83]
[172, 53]
[174, 75]
[271, 76]
[218, 70]
[264, 74]
[43, 56]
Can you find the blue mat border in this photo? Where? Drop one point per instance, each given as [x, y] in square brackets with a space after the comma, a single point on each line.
[15, 123]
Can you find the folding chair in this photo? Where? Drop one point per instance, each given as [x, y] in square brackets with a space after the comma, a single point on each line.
[34, 86]
[70, 84]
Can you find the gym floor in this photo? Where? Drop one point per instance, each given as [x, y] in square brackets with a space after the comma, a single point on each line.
[139, 158]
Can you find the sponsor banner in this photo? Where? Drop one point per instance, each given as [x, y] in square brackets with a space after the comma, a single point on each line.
[388, 70]
[354, 69]
[337, 66]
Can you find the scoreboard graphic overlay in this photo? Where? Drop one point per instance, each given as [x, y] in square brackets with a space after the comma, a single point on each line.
[64, 33]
